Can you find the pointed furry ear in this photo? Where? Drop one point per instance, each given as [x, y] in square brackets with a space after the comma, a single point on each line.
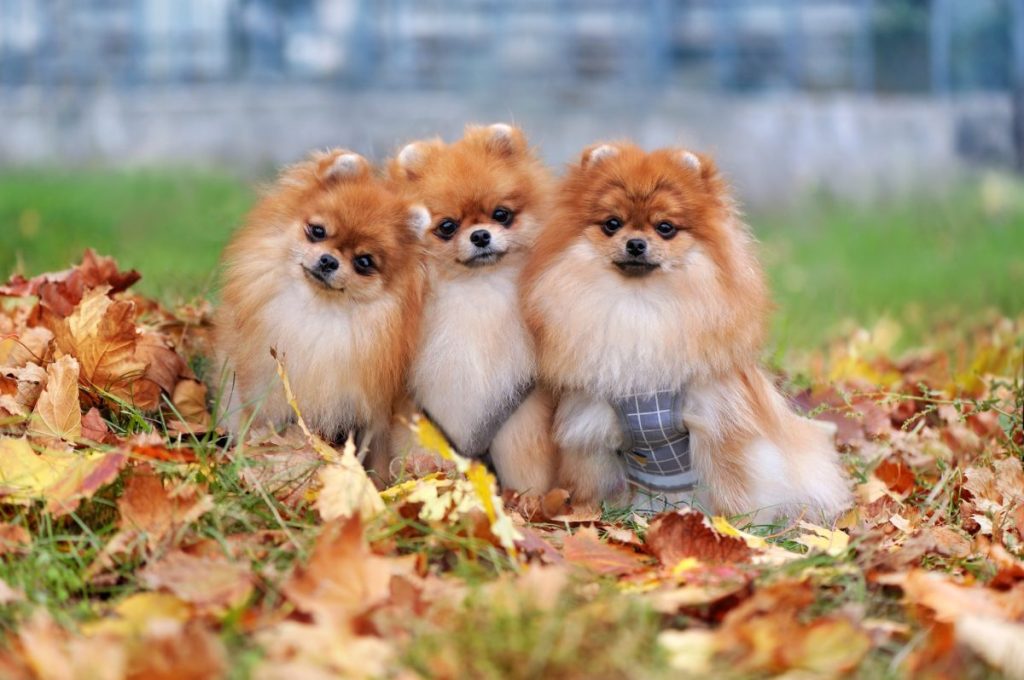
[595, 154]
[409, 162]
[690, 160]
[500, 138]
[344, 165]
[419, 219]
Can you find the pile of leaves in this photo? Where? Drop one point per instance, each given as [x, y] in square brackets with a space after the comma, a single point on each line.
[137, 540]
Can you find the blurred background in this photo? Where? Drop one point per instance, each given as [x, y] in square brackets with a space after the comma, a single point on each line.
[876, 145]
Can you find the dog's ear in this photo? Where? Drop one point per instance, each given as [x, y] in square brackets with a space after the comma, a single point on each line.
[696, 162]
[689, 160]
[419, 219]
[411, 161]
[501, 139]
[326, 166]
[340, 165]
[596, 153]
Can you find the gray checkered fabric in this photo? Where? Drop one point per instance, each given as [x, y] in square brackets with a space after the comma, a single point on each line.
[657, 445]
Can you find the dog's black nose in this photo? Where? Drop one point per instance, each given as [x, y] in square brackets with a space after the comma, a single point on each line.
[481, 238]
[327, 263]
[636, 247]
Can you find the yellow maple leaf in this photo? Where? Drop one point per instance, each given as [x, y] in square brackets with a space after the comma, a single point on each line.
[60, 478]
[25, 475]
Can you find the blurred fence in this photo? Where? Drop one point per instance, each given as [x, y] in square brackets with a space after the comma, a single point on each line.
[719, 45]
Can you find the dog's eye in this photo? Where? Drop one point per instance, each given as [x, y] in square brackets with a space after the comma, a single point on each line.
[364, 264]
[502, 216]
[666, 230]
[446, 229]
[611, 225]
[316, 232]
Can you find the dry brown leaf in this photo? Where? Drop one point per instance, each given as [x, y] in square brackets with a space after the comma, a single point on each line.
[950, 601]
[94, 428]
[178, 651]
[27, 345]
[58, 413]
[211, 584]
[61, 291]
[152, 515]
[322, 650]
[674, 536]
[20, 388]
[54, 654]
[587, 549]
[343, 577]
[189, 399]
[101, 334]
[13, 538]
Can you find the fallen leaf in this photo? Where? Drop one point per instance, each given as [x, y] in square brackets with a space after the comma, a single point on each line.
[343, 577]
[101, 334]
[94, 428]
[829, 541]
[133, 614]
[189, 399]
[173, 650]
[346, 490]
[997, 642]
[60, 478]
[58, 413]
[13, 538]
[152, 514]
[674, 536]
[54, 654]
[210, 584]
[587, 549]
[828, 647]
[61, 291]
[689, 651]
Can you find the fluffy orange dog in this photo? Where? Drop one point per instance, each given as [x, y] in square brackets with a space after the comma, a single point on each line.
[649, 307]
[326, 271]
[475, 368]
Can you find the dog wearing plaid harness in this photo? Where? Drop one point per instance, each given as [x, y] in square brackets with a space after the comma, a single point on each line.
[648, 307]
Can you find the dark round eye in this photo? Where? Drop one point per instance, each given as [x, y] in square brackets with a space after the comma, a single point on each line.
[446, 229]
[364, 264]
[502, 216]
[611, 226]
[316, 232]
[666, 230]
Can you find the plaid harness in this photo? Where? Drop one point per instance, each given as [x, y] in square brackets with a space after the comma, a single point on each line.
[656, 446]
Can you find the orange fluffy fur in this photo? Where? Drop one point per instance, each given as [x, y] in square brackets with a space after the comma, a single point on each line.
[346, 340]
[475, 352]
[693, 320]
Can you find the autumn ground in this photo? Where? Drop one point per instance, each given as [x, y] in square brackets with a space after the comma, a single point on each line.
[137, 541]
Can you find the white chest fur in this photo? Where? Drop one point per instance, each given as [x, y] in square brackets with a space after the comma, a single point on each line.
[475, 352]
[324, 345]
[615, 336]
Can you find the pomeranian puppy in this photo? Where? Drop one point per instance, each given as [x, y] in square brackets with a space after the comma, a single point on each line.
[327, 271]
[474, 370]
[648, 306]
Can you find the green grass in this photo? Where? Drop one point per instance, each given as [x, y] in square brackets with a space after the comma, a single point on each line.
[168, 224]
[919, 260]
